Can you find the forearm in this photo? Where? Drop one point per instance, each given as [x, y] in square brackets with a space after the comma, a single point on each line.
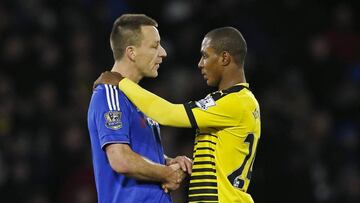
[141, 168]
[144, 169]
[155, 107]
[125, 161]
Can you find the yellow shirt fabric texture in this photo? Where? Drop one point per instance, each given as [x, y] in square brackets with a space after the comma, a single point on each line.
[227, 127]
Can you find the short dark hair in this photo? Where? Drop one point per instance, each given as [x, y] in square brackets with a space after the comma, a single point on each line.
[126, 31]
[228, 39]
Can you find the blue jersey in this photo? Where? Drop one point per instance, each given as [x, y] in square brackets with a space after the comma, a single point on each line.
[112, 118]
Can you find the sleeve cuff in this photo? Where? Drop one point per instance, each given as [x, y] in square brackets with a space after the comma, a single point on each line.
[113, 139]
[188, 107]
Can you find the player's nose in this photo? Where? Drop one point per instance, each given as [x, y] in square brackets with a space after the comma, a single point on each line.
[162, 52]
[201, 63]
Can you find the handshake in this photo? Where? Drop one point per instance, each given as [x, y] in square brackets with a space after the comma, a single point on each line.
[179, 167]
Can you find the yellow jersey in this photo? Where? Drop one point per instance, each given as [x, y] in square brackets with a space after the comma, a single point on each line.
[228, 130]
[227, 127]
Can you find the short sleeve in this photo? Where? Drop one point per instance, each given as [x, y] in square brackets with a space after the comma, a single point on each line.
[112, 115]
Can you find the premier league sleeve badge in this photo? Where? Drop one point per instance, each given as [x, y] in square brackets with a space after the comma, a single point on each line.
[113, 120]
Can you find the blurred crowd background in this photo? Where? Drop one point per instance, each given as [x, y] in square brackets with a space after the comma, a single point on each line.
[303, 64]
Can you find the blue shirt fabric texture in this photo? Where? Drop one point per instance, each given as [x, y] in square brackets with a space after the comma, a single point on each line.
[112, 118]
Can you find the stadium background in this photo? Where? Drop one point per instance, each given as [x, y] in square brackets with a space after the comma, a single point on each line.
[303, 64]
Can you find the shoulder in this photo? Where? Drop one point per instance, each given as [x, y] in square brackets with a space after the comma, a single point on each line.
[234, 93]
[236, 98]
[104, 88]
[108, 94]
[107, 90]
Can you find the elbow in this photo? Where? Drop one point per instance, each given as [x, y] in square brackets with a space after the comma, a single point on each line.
[120, 167]
[163, 121]
[174, 120]
[119, 158]
[169, 121]
[165, 118]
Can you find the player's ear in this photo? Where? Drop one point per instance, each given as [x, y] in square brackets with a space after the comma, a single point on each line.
[225, 58]
[130, 52]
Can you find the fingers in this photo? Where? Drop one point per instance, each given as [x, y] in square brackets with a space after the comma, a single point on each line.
[181, 175]
[183, 165]
[188, 164]
[117, 74]
[175, 177]
[165, 188]
[97, 81]
[108, 77]
[169, 187]
[175, 166]
[184, 162]
[170, 162]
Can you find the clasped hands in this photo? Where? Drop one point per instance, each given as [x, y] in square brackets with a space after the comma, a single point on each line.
[180, 167]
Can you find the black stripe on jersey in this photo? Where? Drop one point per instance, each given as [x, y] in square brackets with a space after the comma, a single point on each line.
[203, 198]
[203, 170]
[190, 114]
[219, 94]
[212, 135]
[203, 184]
[204, 155]
[204, 148]
[235, 88]
[204, 162]
[203, 177]
[202, 191]
[206, 141]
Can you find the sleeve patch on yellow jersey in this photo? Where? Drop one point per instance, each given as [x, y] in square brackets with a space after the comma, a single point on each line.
[256, 113]
[205, 103]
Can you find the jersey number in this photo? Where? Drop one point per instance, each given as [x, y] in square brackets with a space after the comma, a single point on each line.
[234, 177]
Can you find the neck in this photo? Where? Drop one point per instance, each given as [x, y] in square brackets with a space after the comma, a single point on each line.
[127, 70]
[232, 76]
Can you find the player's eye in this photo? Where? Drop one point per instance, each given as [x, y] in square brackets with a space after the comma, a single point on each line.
[156, 45]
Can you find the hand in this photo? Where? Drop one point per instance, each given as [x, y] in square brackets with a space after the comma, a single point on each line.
[174, 178]
[184, 162]
[107, 77]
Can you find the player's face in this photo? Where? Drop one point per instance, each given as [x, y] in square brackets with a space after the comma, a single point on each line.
[150, 53]
[209, 64]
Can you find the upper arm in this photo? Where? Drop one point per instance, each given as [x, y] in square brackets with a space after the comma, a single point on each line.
[118, 156]
[209, 112]
[111, 115]
[157, 108]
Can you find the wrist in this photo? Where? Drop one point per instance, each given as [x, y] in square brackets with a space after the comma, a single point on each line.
[165, 174]
[168, 160]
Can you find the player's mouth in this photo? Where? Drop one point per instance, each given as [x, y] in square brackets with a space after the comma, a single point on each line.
[157, 64]
[204, 75]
